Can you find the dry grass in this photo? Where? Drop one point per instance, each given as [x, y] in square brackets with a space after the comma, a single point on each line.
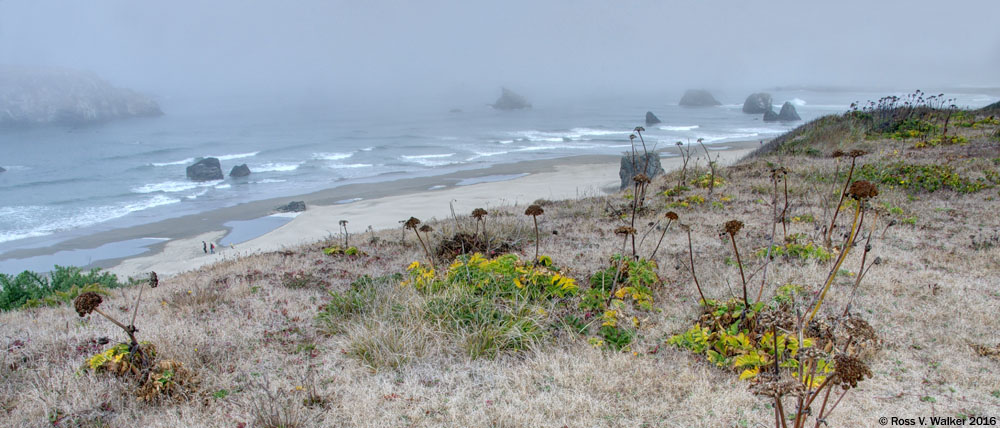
[264, 360]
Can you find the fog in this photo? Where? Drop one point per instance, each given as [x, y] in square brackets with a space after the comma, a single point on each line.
[407, 49]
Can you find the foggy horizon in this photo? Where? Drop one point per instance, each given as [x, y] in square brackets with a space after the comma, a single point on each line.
[442, 50]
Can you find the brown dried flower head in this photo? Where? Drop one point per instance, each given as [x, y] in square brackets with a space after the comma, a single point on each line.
[856, 153]
[625, 230]
[641, 178]
[479, 213]
[770, 385]
[426, 228]
[849, 371]
[87, 302]
[640, 129]
[838, 153]
[672, 215]
[733, 227]
[411, 223]
[153, 280]
[862, 189]
[631, 136]
[343, 222]
[860, 329]
[534, 210]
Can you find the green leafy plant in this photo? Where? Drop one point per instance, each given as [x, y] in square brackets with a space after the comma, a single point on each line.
[922, 177]
[63, 284]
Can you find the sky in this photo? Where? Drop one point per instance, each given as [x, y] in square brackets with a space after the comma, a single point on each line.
[388, 49]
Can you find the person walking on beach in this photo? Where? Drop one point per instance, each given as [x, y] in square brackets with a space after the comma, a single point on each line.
[204, 247]
[212, 247]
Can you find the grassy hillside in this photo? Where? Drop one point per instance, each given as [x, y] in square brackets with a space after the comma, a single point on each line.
[597, 331]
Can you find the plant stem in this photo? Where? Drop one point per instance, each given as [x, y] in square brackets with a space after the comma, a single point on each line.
[426, 251]
[661, 239]
[691, 258]
[535, 218]
[840, 260]
[861, 271]
[843, 194]
[746, 302]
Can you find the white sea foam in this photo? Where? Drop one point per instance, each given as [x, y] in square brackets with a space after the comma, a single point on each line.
[196, 195]
[486, 155]
[268, 181]
[678, 128]
[721, 137]
[331, 156]
[180, 162]
[429, 160]
[276, 167]
[347, 201]
[367, 149]
[798, 102]
[173, 186]
[235, 156]
[348, 165]
[436, 187]
[285, 215]
[224, 186]
[56, 221]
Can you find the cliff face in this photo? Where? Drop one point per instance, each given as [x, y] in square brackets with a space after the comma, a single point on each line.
[43, 96]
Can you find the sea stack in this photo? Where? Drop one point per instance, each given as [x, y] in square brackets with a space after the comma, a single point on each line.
[757, 103]
[651, 118]
[510, 100]
[770, 116]
[240, 171]
[698, 98]
[207, 169]
[788, 113]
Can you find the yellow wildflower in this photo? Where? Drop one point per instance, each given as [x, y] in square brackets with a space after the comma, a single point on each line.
[413, 265]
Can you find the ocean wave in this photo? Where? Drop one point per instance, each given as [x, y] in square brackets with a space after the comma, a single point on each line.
[758, 131]
[348, 165]
[434, 156]
[590, 132]
[223, 186]
[486, 155]
[235, 156]
[347, 201]
[196, 195]
[268, 181]
[24, 225]
[429, 160]
[367, 149]
[173, 186]
[798, 102]
[276, 167]
[180, 162]
[331, 156]
[677, 128]
[722, 137]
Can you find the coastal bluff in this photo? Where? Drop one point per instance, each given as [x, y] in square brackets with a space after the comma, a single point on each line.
[36, 96]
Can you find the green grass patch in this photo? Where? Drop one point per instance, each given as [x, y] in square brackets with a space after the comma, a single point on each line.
[918, 177]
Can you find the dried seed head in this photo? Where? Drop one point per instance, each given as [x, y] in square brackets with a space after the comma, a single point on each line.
[534, 210]
[426, 228]
[343, 222]
[479, 213]
[862, 189]
[860, 329]
[641, 178]
[153, 280]
[672, 215]
[87, 302]
[685, 227]
[625, 230]
[856, 153]
[411, 223]
[640, 129]
[631, 136]
[837, 154]
[733, 227]
[770, 385]
[849, 371]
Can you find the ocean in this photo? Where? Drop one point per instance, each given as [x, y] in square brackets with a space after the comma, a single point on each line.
[63, 183]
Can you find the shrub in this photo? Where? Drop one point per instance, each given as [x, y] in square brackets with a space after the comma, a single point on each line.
[62, 285]
[792, 249]
[920, 177]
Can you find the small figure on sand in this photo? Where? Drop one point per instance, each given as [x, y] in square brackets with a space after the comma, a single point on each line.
[212, 247]
[204, 247]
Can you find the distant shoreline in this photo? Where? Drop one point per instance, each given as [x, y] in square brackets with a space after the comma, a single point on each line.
[210, 225]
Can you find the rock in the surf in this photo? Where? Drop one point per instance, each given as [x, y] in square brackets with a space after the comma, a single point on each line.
[698, 98]
[757, 103]
[509, 100]
[650, 162]
[2, 169]
[240, 171]
[770, 116]
[788, 113]
[292, 207]
[207, 169]
[651, 118]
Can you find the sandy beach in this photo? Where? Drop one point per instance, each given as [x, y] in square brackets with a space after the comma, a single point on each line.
[580, 177]
[177, 246]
